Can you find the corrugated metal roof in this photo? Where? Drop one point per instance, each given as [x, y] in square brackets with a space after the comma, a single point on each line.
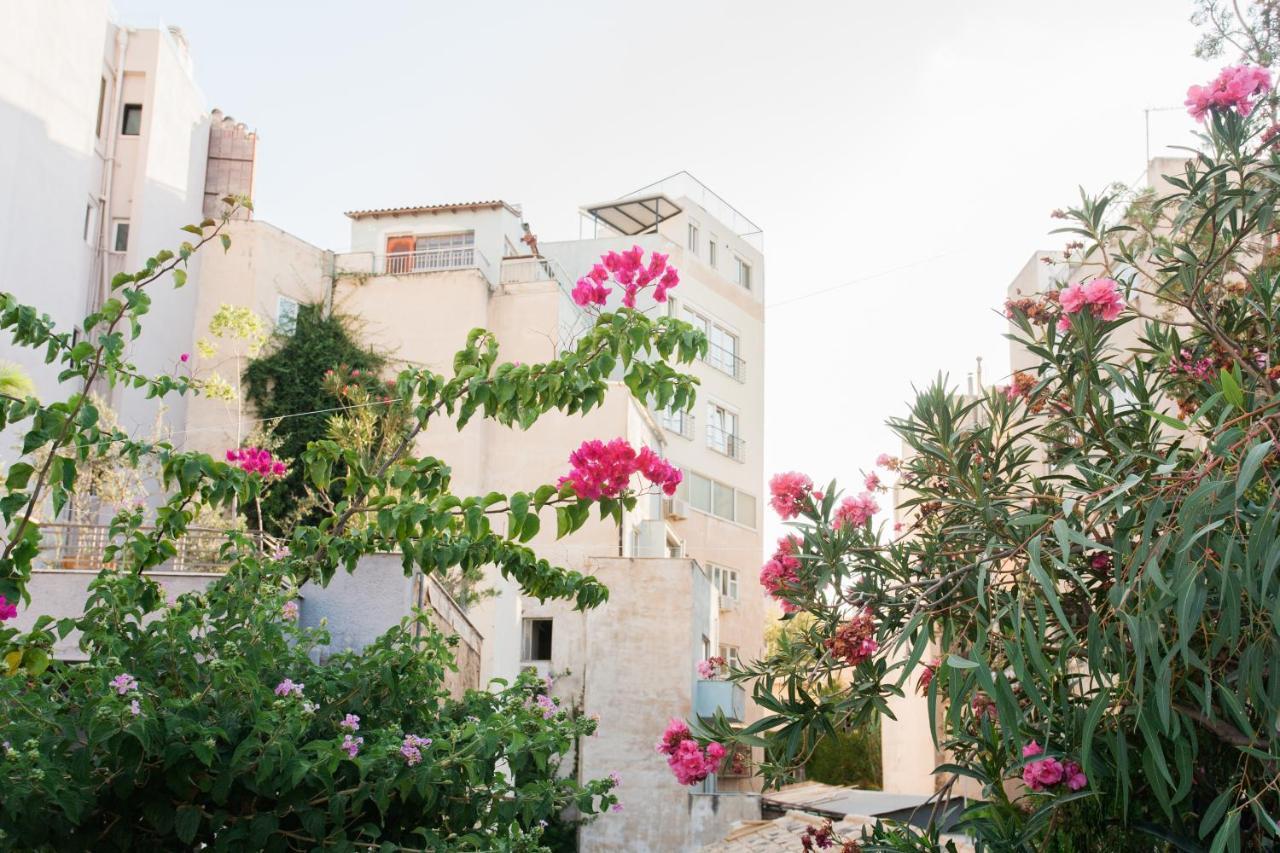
[433, 208]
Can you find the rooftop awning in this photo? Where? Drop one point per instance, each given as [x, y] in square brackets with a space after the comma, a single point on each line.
[633, 216]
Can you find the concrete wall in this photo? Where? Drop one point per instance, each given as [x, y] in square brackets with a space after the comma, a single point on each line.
[360, 606]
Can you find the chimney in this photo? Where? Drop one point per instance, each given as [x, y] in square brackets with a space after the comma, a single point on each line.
[229, 169]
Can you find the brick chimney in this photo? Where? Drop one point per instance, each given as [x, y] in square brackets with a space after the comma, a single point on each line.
[229, 170]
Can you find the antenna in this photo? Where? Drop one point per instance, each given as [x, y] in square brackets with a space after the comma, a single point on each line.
[979, 373]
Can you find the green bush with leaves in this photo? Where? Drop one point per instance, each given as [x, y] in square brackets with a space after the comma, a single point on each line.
[1091, 553]
[206, 722]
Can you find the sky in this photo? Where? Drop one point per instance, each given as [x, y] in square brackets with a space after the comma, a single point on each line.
[902, 158]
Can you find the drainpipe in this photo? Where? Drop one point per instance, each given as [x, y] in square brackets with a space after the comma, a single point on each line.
[109, 169]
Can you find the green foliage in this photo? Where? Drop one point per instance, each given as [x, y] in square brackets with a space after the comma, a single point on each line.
[848, 758]
[214, 756]
[1095, 551]
[290, 380]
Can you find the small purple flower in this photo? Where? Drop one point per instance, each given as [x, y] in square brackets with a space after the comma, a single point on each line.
[290, 611]
[287, 687]
[123, 683]
[351, 745]
[547, 704]
[616, 778]
[617, 807]
[350, 722]
[411, 746]
[135, 708]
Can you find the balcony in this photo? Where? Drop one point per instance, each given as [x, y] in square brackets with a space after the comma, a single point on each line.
[434, 260]
[724, 442]
[726, 697]
[679, 423]
[81, 546]
[726, 361]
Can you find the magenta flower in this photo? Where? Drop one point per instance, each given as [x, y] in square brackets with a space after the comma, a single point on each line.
[123, 683]
[629, 270]
[350, 722]
[1233, 89]
[256, 460]
[872, 483]
[8, 610]
[351, 745]
[1101, 296]
[289, 688]
[687, 759]
[185, 357]
[789, 491]
[780, 572]
[1042, 773]
[1075, 776]
[601, 470]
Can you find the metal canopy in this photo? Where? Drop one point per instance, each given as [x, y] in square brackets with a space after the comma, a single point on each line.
[632, 216]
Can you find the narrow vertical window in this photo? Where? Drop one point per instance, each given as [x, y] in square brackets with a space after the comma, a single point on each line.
[131, 124]
[102, 106]
[286, 315]
[120, 242]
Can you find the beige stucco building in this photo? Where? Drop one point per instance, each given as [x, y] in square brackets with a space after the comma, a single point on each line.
[680, 570]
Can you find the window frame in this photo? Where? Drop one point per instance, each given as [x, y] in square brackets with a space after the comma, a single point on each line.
[726, 579]
[529, 643]
[287, 320]
[116, 226]
[693, 243]
[685, 492]
[711, 250]
[742, 266]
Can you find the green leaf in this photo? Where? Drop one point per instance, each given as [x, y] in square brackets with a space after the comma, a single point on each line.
[185, 823]
[1165, 419]
[1231, 389]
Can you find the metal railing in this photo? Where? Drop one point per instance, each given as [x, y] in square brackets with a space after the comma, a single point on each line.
[722, 441]
[524, 270]
[432, 260]
[82, 546]
[680, 423]
[726, 361]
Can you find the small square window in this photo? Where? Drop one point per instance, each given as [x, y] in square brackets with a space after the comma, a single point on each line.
[744, 273]
[286, 315]
[131, 125]
[120, 242]
[536, 640]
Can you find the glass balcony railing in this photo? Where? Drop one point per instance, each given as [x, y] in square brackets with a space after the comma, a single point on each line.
[726, 697]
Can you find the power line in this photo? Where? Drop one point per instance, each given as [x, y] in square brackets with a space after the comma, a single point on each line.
[864, 278]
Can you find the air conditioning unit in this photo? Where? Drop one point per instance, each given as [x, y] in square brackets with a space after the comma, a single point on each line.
[674, 508]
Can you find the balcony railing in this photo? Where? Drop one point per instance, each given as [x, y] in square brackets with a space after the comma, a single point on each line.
[727, 697]
[722, 441]
[433, 260]
[524, 270]
[81, 546]
[726, 361]
[680, 423]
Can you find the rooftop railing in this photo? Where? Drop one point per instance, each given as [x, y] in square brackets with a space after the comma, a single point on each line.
[83, 546]
[432, 260]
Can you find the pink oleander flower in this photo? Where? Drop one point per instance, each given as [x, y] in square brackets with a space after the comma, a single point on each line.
[1233, 89]
[1101, 296]
[1042, 773]
[412, 748]
[687, 759]
[854, 641]
[1100, 560]
[629, 270]
[1075, 776]
[929, 670]
[350, 722]
[123, 683]
[352, 745]
[789, 491]
[872, 482]
[135, 708]
[710, 668]
[855, 512]
[289, 612]
[8, 610]
[601, 470]
[288, 687]
[884, 460]
[781, 571]
[897, 527]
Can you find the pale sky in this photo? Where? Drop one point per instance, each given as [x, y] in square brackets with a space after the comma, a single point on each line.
[910, 151]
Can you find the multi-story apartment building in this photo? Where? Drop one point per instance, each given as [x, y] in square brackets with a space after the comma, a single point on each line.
[680, 570]
[108, 150]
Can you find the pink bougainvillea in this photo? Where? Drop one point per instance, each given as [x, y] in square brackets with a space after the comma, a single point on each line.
[855, 512]
[604, 470]
[629, 270]
[1233, 89]
[780, 571]
[256, 460]
[688, 760]
[1101, 297]
[8, 610]
[789, 492]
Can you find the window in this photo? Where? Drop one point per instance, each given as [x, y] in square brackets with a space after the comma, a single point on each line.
[711, 250]
[726, 580]
[706, 647]
[537, 640]
[680, 423]
[102, 106]
[693, 236]
[723, 437]
[131, 125]
[120, 242]
[744, 273]
[722, 345]
[286, 315]
[715, 498]
[730, 655]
